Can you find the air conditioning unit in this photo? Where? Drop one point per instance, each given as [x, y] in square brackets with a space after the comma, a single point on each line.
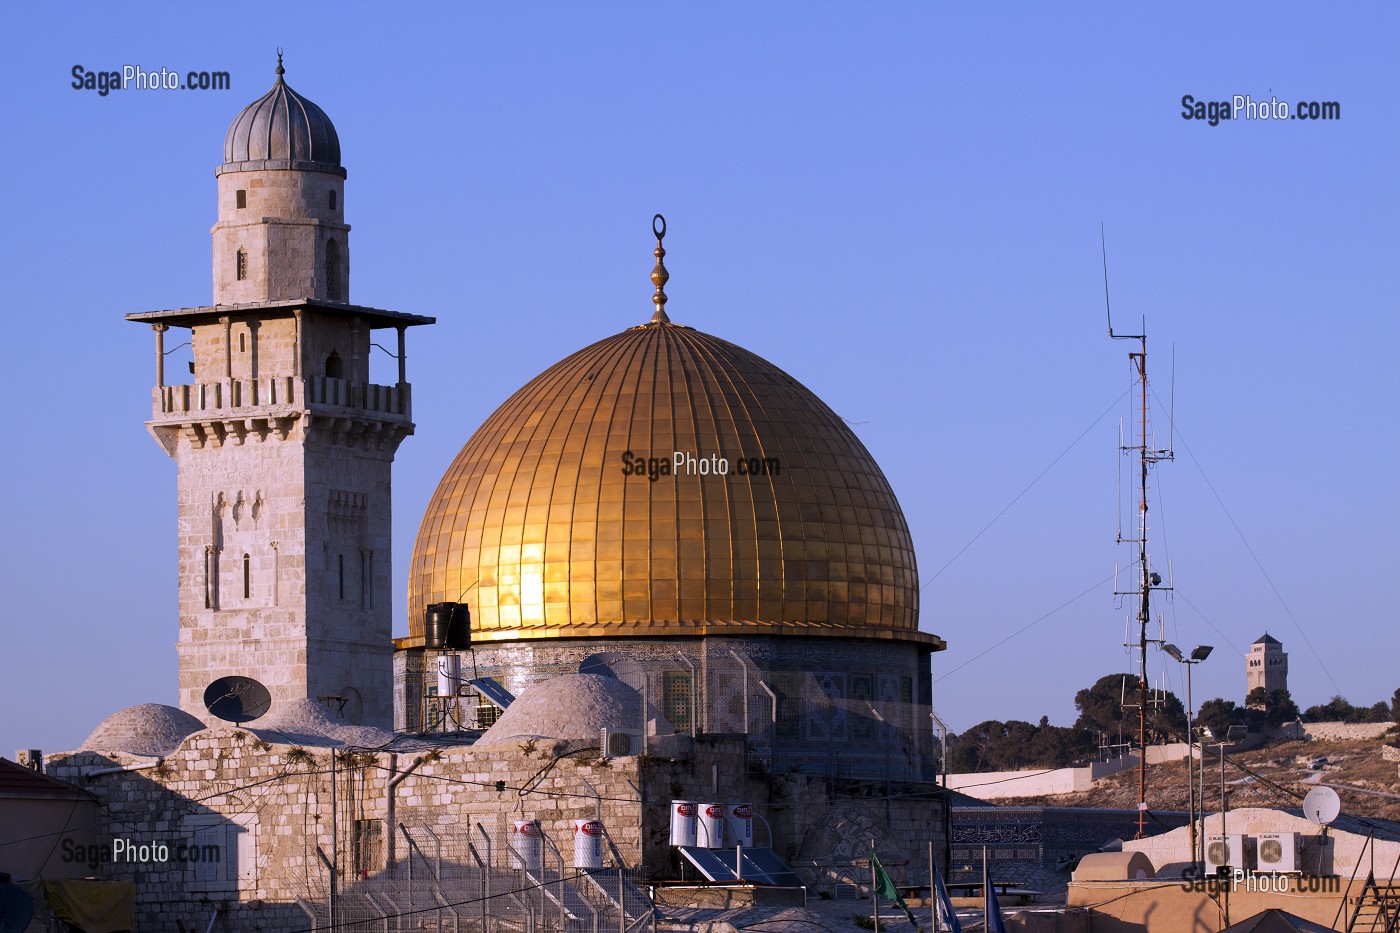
[1278, 852]
[623, 743]
[1232, 851]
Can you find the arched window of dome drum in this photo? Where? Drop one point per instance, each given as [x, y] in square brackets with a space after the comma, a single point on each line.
[242, 263]
[335, 366]
[247, 576]
[332, 270]
[241, 198]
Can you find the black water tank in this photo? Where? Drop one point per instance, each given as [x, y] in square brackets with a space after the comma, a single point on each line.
[459, 632]
[447, 625]
[437, 620]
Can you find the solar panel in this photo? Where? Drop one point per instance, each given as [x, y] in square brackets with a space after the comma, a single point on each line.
[491, 688]
[709, 864]
[759, 866]
[771, 864]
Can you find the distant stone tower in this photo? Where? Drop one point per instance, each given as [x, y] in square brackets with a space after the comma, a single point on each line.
[1266, 665]
[283, 445]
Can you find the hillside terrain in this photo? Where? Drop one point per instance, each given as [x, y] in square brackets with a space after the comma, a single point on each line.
[1365, 773]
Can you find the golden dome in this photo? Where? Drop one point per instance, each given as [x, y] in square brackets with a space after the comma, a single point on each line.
[569, 515]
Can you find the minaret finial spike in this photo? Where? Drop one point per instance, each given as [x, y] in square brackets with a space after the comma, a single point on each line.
[280, 70]
[659, 275]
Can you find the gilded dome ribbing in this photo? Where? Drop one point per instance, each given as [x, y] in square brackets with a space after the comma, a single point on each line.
[567, 515]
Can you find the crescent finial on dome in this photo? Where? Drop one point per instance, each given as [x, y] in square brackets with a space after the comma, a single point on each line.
[659, 275]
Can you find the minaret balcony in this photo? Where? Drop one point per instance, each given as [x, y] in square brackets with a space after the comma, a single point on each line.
[280, 396]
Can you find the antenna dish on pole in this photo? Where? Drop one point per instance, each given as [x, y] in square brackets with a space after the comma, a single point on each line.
[237, 699]
[1322, 805]
[16, 908]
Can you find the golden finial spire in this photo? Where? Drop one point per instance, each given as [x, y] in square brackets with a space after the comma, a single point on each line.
[659, 275]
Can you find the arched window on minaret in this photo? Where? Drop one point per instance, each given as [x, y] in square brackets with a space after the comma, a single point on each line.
[335, 366]
[247, 576]
[242, 262]
[333, 270]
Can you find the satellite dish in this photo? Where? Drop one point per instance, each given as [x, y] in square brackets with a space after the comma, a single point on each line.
[237, 699]
[1322, 805]
[16, 908]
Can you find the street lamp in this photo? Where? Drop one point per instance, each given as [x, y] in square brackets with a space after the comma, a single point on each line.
[1232, 735]
[1198, 654]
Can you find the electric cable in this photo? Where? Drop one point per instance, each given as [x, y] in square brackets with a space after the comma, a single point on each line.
[1257, 562]
[1037, 479]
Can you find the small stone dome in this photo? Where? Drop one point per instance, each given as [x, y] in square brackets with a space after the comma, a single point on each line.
[281, 129]
[149, 729]
[572, 710]
[306, 722]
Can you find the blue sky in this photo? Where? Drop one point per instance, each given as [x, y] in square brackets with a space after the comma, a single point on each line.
[897, 203]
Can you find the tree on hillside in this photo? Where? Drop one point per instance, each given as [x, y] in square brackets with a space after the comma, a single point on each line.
[1101, 709]
[1338, 709]
[1395, 706]
[1219, 715]
[1015, 745]
[1277, 705]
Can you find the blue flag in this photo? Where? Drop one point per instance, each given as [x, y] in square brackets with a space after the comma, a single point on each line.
[943, 905]
[992, 922]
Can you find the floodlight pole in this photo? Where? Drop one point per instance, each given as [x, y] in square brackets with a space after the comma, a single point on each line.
[1190, 761]
[1198, 654]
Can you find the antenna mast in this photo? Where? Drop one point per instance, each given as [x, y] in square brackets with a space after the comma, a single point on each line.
[1147, 456]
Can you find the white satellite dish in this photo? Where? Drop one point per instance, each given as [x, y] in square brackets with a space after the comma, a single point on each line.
[1322, 805]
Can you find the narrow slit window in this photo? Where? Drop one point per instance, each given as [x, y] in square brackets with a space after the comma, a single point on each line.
[332, 200]
[341, 562]
[247, 576]
[333, 270]
[242, 264]
[242, 198]
[242, 343]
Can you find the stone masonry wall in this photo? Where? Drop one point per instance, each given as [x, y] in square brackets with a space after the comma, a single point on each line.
[266, 811]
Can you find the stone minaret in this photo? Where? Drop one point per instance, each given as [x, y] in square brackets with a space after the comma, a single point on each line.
[283, 445]
[1266, 665]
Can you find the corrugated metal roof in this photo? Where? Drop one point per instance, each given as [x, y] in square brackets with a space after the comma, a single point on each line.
[19, 781]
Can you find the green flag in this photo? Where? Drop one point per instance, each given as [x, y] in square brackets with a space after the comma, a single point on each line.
[884, 887]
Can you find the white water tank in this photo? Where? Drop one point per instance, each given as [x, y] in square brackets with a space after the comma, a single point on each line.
[449, 674]
[738, 819]
[683, 822]
[526, 845]
[588, 844]
[711, 826]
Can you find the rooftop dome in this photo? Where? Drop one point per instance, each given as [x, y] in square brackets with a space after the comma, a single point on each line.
[572, 709]
[566, 515]
[281, 129]
[149, 729]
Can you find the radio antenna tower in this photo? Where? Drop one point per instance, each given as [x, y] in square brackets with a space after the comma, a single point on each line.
[1147, 454]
